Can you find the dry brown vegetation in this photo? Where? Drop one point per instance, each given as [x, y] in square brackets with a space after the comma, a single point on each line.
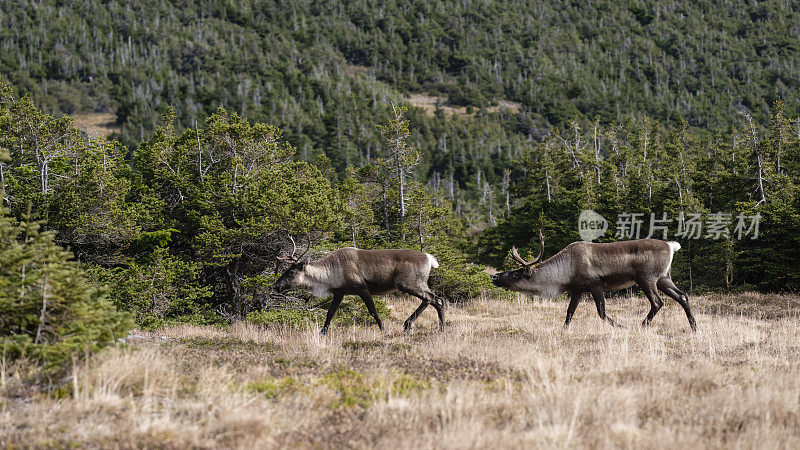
[504, 374]
[430, 103]
[96, 124]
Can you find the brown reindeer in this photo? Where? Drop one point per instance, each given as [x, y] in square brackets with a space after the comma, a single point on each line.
[352, 271]
[593, 267]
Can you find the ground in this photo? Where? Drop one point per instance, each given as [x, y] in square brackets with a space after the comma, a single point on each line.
[430, 103]
[503, 374]
[96, 124]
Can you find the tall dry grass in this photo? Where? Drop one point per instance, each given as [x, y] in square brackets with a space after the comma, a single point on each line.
[504, 374]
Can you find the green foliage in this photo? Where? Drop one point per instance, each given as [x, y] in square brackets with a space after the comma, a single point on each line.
[273, 387]
[458, 280]
[229, 189]
[50, 311]
[83, 190]
[353, 390]
[323, 72]
[188, 230]
[160, 289]
[642, 167]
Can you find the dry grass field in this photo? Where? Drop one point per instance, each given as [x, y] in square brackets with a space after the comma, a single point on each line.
[96, 124]
[505, 374]
[429, 103]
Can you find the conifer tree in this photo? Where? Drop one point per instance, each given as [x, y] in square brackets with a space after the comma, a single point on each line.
[400, 156]
[50, 312]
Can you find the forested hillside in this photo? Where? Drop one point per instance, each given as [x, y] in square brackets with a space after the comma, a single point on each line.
[244, 129]
[322, 71]
[163, 163]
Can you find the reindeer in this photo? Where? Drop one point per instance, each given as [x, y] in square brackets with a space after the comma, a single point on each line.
[593, 267]
[352, 271]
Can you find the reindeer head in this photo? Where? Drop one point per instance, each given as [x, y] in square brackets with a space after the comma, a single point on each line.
[516, 279]
[291, 277]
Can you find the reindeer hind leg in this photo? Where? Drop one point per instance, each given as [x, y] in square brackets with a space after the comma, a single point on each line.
[667, 286]
[656, 303]
[428, 298]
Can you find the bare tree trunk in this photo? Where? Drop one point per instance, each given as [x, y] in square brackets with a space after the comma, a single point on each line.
[759, 162]
[43, 177]
[419, 230]
[547, 184]
[233, 286]
[760, 178]
[452, 186]
[42, 312]
[597, 153]
[4, 198]
[401, 182]
[683, 164]
[506, 190]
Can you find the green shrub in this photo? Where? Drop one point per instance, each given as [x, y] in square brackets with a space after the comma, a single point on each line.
[160, 290]
[355, 390]
[459, 281]
[274, 387]
[49, 311]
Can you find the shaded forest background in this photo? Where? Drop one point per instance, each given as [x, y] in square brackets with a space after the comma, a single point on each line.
[242, 124]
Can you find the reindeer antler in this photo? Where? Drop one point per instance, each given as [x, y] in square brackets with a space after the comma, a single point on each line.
[515, 254]
[294, 249]
[308, 248]
[291, 257]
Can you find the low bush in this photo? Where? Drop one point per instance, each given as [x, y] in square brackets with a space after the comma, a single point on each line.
[458, 281]
[49, 311]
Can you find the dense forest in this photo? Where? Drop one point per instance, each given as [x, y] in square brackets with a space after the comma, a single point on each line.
[246, 128]
[322, 71]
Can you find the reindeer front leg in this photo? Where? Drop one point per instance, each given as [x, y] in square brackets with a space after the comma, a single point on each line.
[337, 300]
[575, 298]
[600, 303]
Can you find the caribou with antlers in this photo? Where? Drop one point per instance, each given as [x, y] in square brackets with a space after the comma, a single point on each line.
[352, 271]
[583, 267]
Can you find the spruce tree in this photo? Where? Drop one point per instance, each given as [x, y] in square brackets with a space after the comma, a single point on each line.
[49, 311]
